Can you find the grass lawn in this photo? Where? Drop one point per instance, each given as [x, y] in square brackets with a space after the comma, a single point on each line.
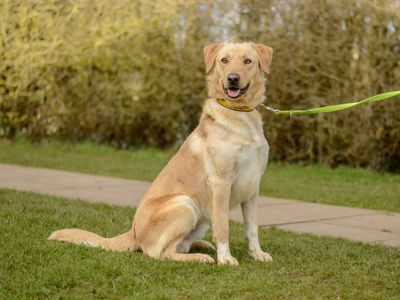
[315, 183]
[304, 266]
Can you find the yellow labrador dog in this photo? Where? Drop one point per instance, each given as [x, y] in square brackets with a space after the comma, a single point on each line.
[218, 166]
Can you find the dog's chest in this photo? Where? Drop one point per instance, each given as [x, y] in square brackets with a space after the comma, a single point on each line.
[251, 160]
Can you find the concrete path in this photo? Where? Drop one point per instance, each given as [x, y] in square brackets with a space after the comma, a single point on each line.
[353, 223]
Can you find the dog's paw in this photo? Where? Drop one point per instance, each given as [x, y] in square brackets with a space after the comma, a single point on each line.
[204, 258]
[260, 255]
[202, 244]
[227, 259]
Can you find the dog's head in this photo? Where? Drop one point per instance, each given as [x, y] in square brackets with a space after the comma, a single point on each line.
[236, 72]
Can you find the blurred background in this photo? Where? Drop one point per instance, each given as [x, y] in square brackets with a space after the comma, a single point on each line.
[130, 72]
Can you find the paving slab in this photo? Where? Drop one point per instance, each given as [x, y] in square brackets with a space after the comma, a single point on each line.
[320, 228]
[383, 222]
[117, 195]
[271, 201]
[117, 191]
[392, 243]
[358, 224]
[300, 212]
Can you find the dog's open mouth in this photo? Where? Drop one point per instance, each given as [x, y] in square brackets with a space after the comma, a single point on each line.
[235, 92]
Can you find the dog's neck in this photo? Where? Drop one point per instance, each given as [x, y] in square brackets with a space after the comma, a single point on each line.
[246, 124]
[241, 108]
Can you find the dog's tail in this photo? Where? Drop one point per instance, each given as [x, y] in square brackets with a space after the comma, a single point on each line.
[123, 242]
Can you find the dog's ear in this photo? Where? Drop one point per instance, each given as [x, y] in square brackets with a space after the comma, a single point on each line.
[265, 56]
[210, 53]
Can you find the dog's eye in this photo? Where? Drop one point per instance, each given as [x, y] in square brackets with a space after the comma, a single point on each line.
[247, 61]
[224, 60]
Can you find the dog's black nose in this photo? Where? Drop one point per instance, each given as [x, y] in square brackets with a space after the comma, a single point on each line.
[233, 78]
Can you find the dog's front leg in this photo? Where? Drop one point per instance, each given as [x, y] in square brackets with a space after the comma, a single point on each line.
[249, 211]
[221, 191]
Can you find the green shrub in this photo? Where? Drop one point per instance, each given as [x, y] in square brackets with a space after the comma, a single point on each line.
[131, 71]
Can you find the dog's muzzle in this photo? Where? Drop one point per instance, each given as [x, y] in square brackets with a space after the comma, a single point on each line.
[233, 90]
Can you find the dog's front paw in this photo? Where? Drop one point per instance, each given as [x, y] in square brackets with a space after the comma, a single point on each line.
[260, 255]
[227, 259]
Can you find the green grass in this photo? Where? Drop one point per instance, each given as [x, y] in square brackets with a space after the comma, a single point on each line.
[315, 183]
[304, 266]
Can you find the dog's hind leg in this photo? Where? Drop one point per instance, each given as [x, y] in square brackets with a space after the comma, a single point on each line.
[193, 240]
[199, 257]
[171, 253]
[171, 225]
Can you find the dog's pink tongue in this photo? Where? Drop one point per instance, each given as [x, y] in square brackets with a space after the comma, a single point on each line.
[233, 93]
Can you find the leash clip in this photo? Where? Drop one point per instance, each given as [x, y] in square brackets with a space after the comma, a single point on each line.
[273, 110]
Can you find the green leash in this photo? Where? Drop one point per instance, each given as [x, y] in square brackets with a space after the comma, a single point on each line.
[331, 108]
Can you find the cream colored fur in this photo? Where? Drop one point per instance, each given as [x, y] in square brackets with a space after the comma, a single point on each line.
[218, 166]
